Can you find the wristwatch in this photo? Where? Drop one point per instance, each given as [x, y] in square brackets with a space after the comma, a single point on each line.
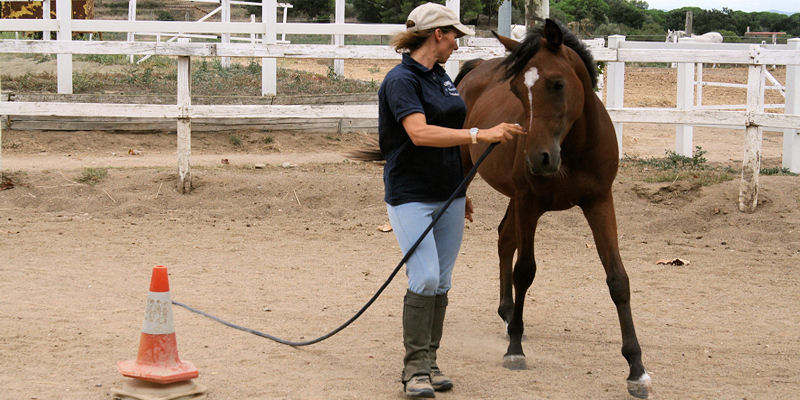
[473, 134]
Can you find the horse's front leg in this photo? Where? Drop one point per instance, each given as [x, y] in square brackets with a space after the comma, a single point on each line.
[506, 246]
[602, 220]
[524, 220]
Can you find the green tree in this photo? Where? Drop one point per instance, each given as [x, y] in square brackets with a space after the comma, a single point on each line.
[368, 10]
[729, 20]
[676, 19]
[791, 25]
[558, 14]
[320, 10]
[657, 17]
[768, 21]
[471, 9]
[612, 28]
[715, 20]
[396, 11]
[627, 12]
[729, 36]
[652, 31]
[577, 10]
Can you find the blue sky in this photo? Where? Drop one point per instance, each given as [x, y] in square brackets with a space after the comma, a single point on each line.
[791, 6]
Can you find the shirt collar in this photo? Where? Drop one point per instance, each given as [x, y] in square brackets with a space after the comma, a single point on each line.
[410, 62]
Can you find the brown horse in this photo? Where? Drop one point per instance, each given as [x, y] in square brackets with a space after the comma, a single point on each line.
[568, 158]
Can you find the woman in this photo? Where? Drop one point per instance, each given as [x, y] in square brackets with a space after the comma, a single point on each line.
[420, 128]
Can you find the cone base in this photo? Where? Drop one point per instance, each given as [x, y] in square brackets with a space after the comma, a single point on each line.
[182, 371]
[135, 389]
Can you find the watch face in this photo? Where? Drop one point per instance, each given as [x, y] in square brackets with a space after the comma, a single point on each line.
[473, 134]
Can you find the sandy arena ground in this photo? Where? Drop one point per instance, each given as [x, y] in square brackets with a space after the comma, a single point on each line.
[293, 249]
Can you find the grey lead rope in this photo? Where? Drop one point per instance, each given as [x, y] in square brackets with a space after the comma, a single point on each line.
[380, 290]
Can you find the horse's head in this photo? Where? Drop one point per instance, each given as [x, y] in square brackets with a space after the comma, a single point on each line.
[550, 79]
[674, 36]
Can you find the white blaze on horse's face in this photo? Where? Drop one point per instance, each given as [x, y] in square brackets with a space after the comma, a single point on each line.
[531, 76]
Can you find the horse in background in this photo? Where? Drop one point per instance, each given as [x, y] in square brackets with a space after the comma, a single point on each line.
[708, 37]
[568, 158]
[518, 32]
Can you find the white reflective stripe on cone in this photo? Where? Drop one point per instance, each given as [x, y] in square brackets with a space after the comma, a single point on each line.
[158, 314]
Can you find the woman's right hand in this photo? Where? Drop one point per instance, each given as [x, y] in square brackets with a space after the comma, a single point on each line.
[502, 132]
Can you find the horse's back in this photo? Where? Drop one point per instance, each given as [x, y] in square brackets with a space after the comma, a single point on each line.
[710, 37]
[481, 76]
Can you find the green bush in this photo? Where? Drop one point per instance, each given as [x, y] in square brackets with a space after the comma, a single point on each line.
[163, 15]
[92, 176]
[777, 171]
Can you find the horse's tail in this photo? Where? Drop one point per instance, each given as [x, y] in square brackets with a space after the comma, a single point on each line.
[370, 152]
[466, 68]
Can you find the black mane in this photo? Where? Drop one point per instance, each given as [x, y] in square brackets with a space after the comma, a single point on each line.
[515, 62]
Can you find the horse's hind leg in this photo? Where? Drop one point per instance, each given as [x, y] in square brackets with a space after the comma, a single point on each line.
[524, 221]
[602, 220]
[506, 246]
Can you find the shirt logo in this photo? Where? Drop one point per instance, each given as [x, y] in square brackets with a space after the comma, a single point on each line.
[449, 89]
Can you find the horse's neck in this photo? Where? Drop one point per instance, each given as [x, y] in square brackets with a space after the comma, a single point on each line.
[581, 137]
[674, 36]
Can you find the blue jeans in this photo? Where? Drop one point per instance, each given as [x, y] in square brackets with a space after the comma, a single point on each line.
[430, 268]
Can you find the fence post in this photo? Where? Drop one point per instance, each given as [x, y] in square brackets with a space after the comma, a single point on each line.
[131, 18]
[269, 66]
[698, 85]
[685, 101]
[791, 137]
[451, 67]
[225, 16]
[751, 164]
[338, 39]
[184, 122]
[46, 16]
[64, 61]
[286, 7]
[253, 35]
[615, 87]
[504, 18]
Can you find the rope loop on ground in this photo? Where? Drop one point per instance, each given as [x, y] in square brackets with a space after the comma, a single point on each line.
[462, 185]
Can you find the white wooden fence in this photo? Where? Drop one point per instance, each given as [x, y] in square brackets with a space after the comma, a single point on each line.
[618, 52]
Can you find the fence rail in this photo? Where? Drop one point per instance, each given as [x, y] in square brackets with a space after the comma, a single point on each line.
[324, 51]
[618, 52]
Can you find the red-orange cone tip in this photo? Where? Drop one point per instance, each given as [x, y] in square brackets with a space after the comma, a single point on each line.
[159, 282]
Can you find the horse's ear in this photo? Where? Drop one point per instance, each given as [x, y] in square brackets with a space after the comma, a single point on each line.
[507, 42]
[553, 34]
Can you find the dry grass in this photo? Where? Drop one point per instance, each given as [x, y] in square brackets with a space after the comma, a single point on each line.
[158, 76]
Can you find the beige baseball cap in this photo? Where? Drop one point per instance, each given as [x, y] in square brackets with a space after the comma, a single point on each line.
[432, 15]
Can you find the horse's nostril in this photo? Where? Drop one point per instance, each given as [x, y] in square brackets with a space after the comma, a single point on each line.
[544, 159]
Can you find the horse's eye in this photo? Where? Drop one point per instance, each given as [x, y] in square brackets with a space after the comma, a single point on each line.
[558, 85]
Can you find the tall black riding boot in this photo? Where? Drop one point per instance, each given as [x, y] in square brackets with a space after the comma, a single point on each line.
[439, 381]
[417, 322]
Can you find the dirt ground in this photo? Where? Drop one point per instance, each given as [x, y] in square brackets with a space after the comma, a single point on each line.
[293, 249]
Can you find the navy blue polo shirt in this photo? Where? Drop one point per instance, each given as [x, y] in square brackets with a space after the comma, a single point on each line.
[418, 173]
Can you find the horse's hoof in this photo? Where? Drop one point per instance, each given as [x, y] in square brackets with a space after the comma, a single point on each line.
[514, 362]
[640, 388]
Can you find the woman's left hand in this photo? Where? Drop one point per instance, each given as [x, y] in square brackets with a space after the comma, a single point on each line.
[468, 210]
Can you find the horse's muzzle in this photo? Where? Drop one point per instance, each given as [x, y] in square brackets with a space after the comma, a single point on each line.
[543, 162]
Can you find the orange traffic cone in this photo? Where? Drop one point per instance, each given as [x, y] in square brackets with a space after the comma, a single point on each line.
[158, 360]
